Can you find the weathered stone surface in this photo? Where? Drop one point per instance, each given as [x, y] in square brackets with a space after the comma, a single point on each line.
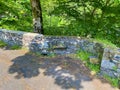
[116, 58]
[47, 44]
[94, 60]
[18, 37]
[99, 50]
[111, 62]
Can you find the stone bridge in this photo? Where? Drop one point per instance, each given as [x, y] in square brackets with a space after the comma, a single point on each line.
[110, 58]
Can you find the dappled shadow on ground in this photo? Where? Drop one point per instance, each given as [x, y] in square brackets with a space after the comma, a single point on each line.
[25, 66]
[67, 72]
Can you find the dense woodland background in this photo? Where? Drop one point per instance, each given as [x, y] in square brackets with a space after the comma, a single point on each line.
[86, 18]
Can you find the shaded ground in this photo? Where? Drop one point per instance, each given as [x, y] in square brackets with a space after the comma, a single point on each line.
[20, 70]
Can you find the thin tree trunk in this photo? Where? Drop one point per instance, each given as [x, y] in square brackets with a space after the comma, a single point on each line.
[37, 16]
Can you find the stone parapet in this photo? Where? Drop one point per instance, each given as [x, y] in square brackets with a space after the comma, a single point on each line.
[19, 37]
[110, 64]
[50, 44]
[109, 58]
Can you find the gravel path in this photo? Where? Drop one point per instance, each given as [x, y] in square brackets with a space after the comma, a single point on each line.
[20, 70]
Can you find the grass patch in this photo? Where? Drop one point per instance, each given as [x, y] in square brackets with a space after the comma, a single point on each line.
[106, 43]
[93, 67]
[52, 55]
[84, 56]
[113, 81]
[15, 47]
[2, 44]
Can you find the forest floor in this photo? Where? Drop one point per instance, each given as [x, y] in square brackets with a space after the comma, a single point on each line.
[21, 70]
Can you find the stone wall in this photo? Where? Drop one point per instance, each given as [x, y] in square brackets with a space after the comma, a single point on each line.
[50, 44]
[19, 37]
[110, 63]
[67, 45]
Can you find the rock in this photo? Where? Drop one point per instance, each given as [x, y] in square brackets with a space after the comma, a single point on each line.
[93, 73]
[117, 57]
[89, 48]
[94, 60]
[107, 64]
[118, 70]
[44, 52]
[111, 59]
[109, 72]
[108, 54]
[99, 50]
[45, 44]
[60, 47]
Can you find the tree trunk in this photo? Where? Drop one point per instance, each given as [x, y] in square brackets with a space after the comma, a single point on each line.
[37, 16]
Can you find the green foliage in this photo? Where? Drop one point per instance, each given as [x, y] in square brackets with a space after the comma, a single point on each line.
[2, 44]
[52, 55]
[115, 68]
[105, 42]
[113, 81]
[84, 56]
[38, 54]
[95, 18]
[15, 15]
[15, 47]
[93, 67]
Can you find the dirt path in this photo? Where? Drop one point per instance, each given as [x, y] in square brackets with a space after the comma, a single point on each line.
[20, 70]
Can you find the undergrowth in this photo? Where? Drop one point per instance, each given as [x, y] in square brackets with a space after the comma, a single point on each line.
[2, 44]
[113, 81]
[84, 56]
[105, 42]
[15, 47]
